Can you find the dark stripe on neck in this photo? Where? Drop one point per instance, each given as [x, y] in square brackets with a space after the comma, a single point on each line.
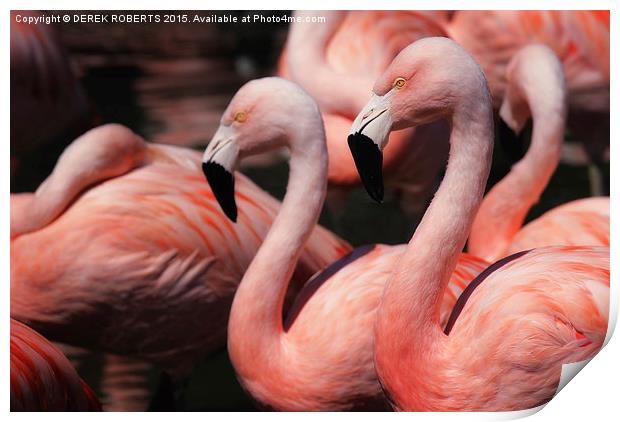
[460, 303]
[319, 279]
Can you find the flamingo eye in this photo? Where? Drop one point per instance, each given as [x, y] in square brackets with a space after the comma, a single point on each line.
[241, 117]
[399, 83]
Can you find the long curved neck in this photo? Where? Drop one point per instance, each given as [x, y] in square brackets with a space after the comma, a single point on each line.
[505, 207]
[307, 62]
[255, 327]
[412, 297]
[98, 155]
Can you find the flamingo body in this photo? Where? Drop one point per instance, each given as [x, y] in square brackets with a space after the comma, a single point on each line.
[42, 379]
[328, 335]
[320, 357]
[517, 359]
[579, 38]
[580, 222]
[524, 316]
[142, 264]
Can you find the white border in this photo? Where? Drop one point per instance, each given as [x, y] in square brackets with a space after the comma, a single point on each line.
[592, 395]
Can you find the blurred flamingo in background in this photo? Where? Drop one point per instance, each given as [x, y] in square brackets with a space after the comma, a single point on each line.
[517, 322]
[46, 98]
[320, 356]
[580, 222]
[123, 249]
[536, 89]
[48, 107]
[580, 38]
[337, 62]
[42, 379]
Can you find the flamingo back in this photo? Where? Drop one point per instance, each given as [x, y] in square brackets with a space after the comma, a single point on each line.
[367, 41]
[546, 308]
[580, 222]
[580, 40]
[345, 296]
[149, 248]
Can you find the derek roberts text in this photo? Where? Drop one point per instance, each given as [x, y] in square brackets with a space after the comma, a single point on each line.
[116, 18]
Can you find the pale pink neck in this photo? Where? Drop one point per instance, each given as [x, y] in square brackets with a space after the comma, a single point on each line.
[104, 153]
[335, 92]
[408, 330]
[506, 205]
[255, 327]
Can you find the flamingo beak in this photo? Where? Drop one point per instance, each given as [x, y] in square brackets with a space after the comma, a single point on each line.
[367, 138]
[218, 165]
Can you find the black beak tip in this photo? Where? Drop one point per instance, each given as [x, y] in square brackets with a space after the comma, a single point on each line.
[222, 184]
[369, 163]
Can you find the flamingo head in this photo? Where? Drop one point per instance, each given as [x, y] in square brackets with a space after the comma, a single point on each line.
[425, 82]
[263, 115]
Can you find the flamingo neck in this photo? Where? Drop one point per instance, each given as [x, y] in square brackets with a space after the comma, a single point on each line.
[505, 207]
[33, 211]
[335, 92]
[103, 153]
[255, 328]
[412, 297]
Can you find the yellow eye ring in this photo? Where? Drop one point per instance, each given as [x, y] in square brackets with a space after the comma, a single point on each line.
[241, 117]
[399, 83]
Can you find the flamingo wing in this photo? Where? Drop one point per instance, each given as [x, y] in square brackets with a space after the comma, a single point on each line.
[548, 307]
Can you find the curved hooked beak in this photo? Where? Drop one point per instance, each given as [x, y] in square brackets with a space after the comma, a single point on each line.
[218, 165]
[367, 138]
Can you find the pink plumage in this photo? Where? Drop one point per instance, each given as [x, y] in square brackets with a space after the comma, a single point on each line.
[42, 379]
[536, 89]
[320, 357]
[507, 348]
[580, 38]
[124, 249]
[580, 222]
[337, 62]
[525, 316]
[326, 362]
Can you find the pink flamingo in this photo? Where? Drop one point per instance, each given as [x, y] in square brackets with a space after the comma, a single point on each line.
[337, 62]
[536, 89]
[579, 38]
[320, 356]
[42, 379]
[581, 41]
[46, 98]
[123, 249]
[580, 222]
[524, 316]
